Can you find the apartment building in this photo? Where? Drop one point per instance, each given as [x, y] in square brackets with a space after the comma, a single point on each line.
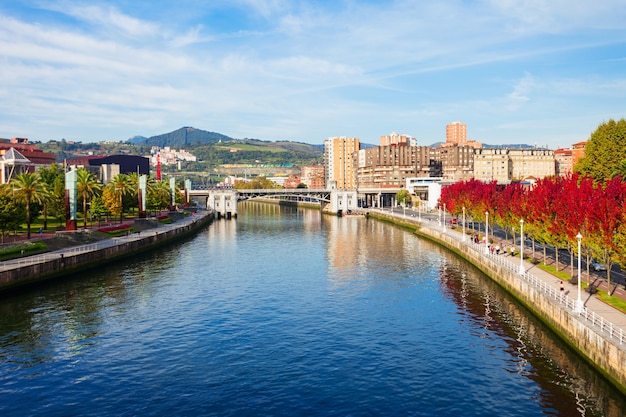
[563, 162]
[578, 152]
[339, 162]
[457, 162]
[394, 139]
[532, 163]
[390, 166]
[456, 133]
[506, 165]
[313, 176]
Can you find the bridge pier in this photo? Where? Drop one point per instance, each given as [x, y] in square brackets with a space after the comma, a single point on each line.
[224, 203]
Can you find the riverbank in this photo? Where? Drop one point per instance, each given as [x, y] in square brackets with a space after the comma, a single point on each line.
[72, 259]
[596, 331]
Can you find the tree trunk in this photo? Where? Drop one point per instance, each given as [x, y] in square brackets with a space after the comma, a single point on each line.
[556, 256]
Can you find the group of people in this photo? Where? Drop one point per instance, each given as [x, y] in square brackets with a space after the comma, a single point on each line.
[495, 248]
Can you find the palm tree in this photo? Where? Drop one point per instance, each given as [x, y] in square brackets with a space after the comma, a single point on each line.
[120, 186]
[159, 195]
[52, 175]
[29, 187]
[87, 186]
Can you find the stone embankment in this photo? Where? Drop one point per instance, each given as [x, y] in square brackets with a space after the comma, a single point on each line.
[29, 270]
[596, 331]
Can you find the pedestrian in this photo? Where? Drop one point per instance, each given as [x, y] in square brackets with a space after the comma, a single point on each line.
[497, 249]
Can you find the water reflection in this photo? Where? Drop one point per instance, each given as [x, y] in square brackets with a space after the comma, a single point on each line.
[568, 384]
[303, 313]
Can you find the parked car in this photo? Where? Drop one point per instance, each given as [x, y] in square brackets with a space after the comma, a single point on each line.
[597, 266]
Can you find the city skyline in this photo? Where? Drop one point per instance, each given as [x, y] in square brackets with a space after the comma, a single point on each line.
[534, 73]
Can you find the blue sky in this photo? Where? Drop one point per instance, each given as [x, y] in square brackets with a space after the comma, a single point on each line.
[543, 72]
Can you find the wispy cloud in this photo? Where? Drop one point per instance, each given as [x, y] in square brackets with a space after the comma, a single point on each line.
[306, 70]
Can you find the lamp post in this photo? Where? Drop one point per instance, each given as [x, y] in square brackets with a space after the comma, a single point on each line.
[463, 223]
[521, 247]
[444, 217]
[439, 215]
[486, 233]
[419, 211]
[579, 301]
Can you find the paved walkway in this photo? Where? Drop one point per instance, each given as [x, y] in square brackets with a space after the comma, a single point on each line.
[105, 243]
[598, 314]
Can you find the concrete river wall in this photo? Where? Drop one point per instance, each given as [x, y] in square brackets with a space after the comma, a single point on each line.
[598, 341]
[32, 269]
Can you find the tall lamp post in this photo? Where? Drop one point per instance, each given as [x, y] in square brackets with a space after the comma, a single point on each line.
[419, 211]
[521, 247]
[438, 214]
[444, 217]
[463, 223]
[486, 233]
[579, 301]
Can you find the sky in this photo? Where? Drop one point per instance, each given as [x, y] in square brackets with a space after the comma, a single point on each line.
[538, 72]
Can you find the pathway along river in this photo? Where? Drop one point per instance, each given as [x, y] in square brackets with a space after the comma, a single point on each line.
[285, 312]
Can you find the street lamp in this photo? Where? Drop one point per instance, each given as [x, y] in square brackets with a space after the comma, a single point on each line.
[486, 233]
[579, 301]
[521, 246]
[444, 217]
[463, 223]
[438, 214]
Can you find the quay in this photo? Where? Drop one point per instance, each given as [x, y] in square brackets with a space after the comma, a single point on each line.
[25, 271]
[597, 331]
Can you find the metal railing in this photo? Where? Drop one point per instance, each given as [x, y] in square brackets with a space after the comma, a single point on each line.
[91, 247]
[597, 321]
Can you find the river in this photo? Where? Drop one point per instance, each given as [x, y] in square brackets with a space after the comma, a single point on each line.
[286, 312]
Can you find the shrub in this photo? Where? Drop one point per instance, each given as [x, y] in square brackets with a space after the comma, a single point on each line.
[117, 230]
[26, 247]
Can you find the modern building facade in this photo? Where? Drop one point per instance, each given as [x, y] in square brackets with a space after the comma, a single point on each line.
[17, 156]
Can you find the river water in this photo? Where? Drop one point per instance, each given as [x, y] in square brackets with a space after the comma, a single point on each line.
[285, 312]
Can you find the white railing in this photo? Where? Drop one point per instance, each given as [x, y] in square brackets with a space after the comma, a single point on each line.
[76, 250]
[613, 331]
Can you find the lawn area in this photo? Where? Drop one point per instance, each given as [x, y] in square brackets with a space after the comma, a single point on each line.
[22, 249]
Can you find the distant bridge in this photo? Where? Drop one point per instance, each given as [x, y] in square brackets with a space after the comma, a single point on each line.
[224, 200]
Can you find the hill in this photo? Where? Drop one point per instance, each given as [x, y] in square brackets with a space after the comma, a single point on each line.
[181, 138]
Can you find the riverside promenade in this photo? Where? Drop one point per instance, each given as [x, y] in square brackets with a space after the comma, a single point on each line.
[593, 328]
[30, 269]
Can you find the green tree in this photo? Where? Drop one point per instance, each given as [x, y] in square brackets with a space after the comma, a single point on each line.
[605, 152]
[97, 209]
[11, 215]
[260, 183]
[87, 186]
[159, 195]
[54, 178]
[29, 188]
[114, 192]
[403, 197]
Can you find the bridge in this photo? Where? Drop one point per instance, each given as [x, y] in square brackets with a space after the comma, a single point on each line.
[224, 200]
